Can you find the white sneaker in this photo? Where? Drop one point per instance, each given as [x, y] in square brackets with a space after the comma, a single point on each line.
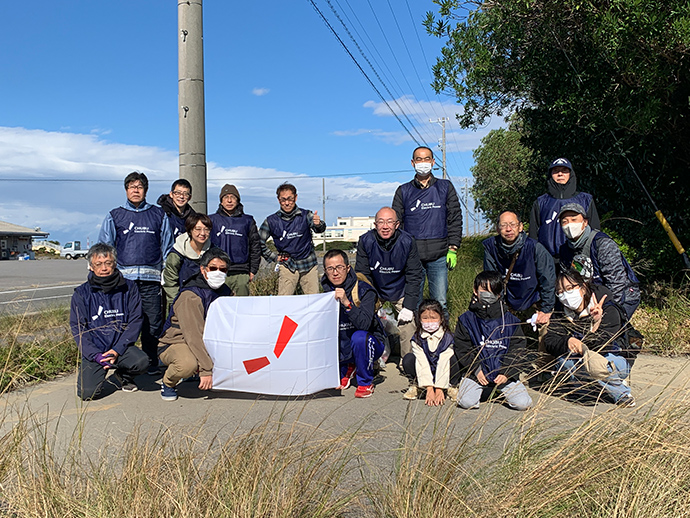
[412, 393]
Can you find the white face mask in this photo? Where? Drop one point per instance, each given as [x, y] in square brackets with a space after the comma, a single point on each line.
[574, 230]
[571, 299]
[215, 279]
[431, 327]
[422, 168]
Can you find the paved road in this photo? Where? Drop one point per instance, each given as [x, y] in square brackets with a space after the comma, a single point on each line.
[27, 286]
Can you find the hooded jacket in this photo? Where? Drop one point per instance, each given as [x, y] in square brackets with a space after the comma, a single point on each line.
[182, 263]
[177, 218]
[543, 220]
[236, 234]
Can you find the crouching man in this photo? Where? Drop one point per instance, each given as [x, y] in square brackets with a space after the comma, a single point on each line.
[181, 347]
[361, 337]
[106, 319]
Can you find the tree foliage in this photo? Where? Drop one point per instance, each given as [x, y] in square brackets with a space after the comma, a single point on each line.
[502, 175]
[605, 83]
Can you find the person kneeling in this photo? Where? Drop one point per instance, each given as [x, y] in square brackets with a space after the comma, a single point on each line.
[181, 347]
[432, 360]
[586, 335]
[361, 337]
[106, 320]
[489, 343]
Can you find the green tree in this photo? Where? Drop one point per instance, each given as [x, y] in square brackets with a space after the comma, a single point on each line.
[504, 175]
[598, 81]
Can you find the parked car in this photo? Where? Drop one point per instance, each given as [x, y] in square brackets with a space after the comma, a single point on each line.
[73, 250]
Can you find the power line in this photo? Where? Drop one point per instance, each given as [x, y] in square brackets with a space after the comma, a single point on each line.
[102, 180]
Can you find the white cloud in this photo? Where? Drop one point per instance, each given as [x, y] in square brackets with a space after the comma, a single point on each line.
[30, 161]
[260, 91]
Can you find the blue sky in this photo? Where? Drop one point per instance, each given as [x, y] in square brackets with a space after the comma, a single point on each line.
[89, 91]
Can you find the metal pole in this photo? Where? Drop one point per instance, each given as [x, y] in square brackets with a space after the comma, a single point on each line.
[323, 209]
[467, 208]
[443, 125]
[191, 99]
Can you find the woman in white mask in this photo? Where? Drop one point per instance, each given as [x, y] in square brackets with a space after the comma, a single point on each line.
[585, 337]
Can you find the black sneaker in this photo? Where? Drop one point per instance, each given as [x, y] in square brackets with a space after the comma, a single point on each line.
[153, 369]
[129, 386]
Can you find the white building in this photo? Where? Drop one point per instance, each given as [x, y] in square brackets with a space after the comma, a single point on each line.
[346, 229]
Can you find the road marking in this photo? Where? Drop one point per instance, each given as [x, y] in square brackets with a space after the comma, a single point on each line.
[20, 301]
[56, 287]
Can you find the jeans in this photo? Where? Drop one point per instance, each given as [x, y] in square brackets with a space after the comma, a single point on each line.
[437, 273]
[613, 385]
[152, 326]
[470, 393]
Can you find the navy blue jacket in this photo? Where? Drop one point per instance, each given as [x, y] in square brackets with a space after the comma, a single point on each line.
[236, 234]
[432, 215]
[392, 265]
[102, 321]
[358, 318]
[533, 278]
[491, 338]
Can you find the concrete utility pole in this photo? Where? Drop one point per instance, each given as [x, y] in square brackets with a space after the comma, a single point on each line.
[191, 99]
[323, 209]
[442, 144]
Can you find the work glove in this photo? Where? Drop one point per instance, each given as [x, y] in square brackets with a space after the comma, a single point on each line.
[405, 316]
[451, 259]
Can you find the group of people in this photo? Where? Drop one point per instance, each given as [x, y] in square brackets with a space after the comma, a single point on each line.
[567, 279]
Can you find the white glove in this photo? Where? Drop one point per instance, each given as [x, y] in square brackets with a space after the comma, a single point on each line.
[405, 316]
[533, 322]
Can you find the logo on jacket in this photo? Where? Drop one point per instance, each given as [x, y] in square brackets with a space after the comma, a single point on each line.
[284, 234]
[416, 206]
[131, 226]
[220, 231]
[378, 263]
[100, 310]
[553, 218]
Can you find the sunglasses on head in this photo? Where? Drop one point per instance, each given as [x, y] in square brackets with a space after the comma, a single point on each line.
[223, 269]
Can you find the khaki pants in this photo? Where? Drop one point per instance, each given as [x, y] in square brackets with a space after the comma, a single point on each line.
[239, 284]
[287, 281]
[406, 330]
[181, 363]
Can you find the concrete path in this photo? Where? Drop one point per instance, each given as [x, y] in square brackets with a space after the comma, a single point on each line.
[221, 414]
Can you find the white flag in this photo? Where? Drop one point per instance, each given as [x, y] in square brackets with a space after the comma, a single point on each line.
[274, 345]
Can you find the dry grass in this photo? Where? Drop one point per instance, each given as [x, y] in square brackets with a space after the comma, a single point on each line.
[664, 320]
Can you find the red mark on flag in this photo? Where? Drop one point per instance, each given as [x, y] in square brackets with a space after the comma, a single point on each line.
[286, 332]
[255, 364]
[287, 329]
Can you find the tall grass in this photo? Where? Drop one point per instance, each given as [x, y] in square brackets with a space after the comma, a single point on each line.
[664, 319]
[35, 347]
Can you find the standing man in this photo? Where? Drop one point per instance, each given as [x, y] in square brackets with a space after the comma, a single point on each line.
[290, 229]
[176, 205]
[361, 337]
[429, 209]
[141, 234]
[527, 268]
[105, 318]
[235, 233]
[388, 257]
[562, 189]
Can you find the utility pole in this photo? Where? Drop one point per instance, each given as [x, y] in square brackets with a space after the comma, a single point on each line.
[442, 144]
[323, 209]
[190, 52]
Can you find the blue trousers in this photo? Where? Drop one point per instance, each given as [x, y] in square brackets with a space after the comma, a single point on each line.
[437, 273]
[366, 349]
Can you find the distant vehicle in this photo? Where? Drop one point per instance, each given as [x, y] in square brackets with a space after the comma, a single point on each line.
[73, 250]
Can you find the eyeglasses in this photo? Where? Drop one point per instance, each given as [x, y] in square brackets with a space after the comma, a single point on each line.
[337, 268]
[569, 287]
[423, 158]
[386, 222]
[202, 230]
[285, 200]
[513, 225]
[223, 269]
[135, 187]
[108, 264]
[181, 194]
